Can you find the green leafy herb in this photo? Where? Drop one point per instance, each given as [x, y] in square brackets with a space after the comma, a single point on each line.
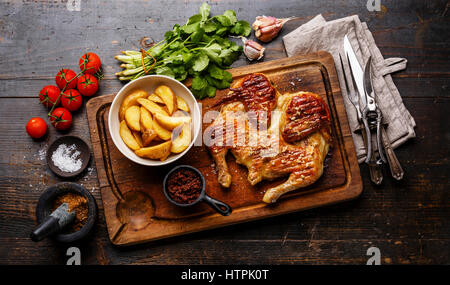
[201, 62]
[204, 11]
[199, 49]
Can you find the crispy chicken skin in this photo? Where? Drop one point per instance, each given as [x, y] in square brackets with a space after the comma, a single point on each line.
[293, 140]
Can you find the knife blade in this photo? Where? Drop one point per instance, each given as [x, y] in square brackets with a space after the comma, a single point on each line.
[352, 96]
[358, 80]
[356, 70]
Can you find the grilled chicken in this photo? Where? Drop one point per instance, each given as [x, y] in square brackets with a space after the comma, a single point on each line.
[273, 135]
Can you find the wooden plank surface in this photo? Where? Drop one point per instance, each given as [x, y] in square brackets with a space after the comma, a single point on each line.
[407, 220]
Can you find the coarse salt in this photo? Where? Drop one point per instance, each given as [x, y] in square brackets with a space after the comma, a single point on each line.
[66, 158]
[41, 153]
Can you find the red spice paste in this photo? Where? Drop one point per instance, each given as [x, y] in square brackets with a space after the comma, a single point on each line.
[184, 186]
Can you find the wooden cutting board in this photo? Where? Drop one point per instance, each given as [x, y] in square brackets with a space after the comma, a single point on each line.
[135, 208]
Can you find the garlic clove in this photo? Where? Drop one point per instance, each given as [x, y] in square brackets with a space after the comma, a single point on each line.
[253, 50]
[267, 27]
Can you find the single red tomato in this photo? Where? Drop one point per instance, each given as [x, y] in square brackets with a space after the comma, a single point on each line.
[64, 76]
[49, 95]
[87, 84]
[71, 100]
[61, 118]
[36, 127]
[90, 62]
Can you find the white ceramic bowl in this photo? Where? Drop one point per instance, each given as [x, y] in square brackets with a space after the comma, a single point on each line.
[149, 83]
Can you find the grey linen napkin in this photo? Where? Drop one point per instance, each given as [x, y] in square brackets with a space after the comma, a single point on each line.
[318, 34]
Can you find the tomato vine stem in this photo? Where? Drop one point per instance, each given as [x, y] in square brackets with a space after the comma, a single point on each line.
[64, 89]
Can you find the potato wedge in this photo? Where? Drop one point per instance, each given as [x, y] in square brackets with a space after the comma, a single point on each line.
[171, 123]
[161, 132]
[181, 140]
[180, 113]
[155, 98]
[127, 136]
[138, 138]
[182, 105]
[155, 152]
[168, 97]
[146, 119]
[148, 136]
[152, 107]
[165, 157]
[132, 117]
[130, 100]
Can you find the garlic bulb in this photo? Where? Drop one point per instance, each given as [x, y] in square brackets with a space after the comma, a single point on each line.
[267, 27]
[252, 49]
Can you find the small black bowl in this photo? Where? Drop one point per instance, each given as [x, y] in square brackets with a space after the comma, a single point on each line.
[45, 204]
[217, 205]
[82, 147]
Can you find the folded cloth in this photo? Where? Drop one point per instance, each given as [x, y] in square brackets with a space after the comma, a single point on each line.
[318, 34]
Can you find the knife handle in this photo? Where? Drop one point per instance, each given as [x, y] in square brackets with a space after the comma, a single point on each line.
[379, 145]
[376, 175]
[396, 169]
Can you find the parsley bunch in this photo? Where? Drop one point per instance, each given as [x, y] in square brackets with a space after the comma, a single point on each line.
[199, 49]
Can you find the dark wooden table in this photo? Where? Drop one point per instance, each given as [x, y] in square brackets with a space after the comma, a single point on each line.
[408, 220]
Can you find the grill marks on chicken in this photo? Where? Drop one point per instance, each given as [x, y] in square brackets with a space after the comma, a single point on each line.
[303, 163]
[294, 143]
[257, 94]
[304, 115]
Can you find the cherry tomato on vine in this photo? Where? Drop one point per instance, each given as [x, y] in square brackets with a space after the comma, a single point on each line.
[64, 76]
[49, 95]
[61, 118]
[71, 100]
[90, 62]
[87, 84]
[36, 127]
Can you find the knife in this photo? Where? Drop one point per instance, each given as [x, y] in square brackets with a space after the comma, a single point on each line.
[394, 165]
[376, 176]
[358, 80]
